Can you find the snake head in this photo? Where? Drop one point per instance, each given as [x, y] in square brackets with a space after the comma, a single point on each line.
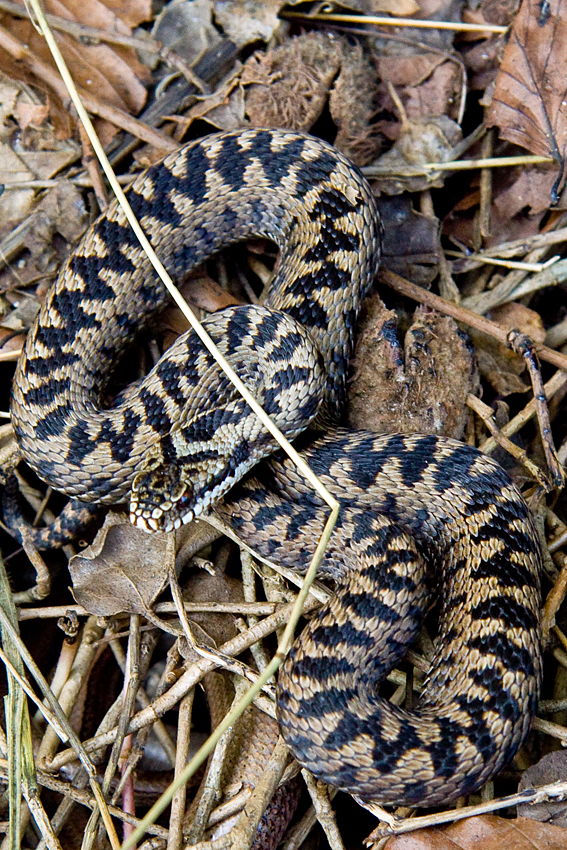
[162, 499]
[170, 495]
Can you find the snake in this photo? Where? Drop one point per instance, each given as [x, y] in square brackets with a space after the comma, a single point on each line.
[423, 519]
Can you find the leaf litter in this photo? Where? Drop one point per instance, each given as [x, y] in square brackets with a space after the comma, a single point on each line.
[414, 369]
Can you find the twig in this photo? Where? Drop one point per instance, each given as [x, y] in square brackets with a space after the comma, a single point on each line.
[190, 678]
[486, 413]
[462, 314]
[556, 383]
[325, 815]
[523, 345]
[553, 791]
[382, 21]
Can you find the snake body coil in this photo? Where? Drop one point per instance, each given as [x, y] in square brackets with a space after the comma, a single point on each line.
[421, 515]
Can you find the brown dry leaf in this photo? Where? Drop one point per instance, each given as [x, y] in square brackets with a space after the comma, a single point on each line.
[187, 28]
[487, 832]
[23, 315]
[61, 210]
[245, 21]
[528, 194]
[421, 140]
[529, 103]
[30, 113]
[408, 70]
[514, 315]
[113, 74]
[10, 341]
[419, 387]
[551, 768]
[410, 245]
[16, 203]
[9, 92]
[123, 570]
[401, 8]
[520, 199]
[223, 109]
[227, 115]
[439, 94]
[201, 292]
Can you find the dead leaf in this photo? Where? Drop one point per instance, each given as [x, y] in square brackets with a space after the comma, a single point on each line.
[123, 570]
[514, 315]
[529, 104]
[114, 74]
[46, 164]
[520, 199]
[487, 832]
[187, 28]
[439, 94]
[16, 203]
[9, 341]
[22, 317]
[410, 245]
[245, 21]
[201, 292]
[421, 140]
[30, 113]
[61, 210]
[409, 69]
[9, 92]
[401, 8]
[551, 768]
[498, 364]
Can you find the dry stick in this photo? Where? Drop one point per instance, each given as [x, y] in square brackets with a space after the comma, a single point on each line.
[321, 800]
[506, 288]
[261, 609]
[190, 678]
[118, 117]
[425, 168]
[544, 793]
[131, 682]
[468, 317]
[555, 597]
[382, 21]
[175, 839]
[486, 413]
[82, 797]
[67, 731]
[483, 220]
[90, 163]
[524, 346]
[556, 383]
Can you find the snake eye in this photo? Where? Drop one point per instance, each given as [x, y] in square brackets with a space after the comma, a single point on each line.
[184, 500]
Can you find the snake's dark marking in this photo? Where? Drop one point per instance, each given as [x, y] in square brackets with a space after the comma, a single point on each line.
[421, 516]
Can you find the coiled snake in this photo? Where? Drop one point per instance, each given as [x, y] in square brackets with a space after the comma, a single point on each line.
[421, 515]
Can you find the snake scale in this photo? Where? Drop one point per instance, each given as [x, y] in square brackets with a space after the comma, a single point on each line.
[422, 517]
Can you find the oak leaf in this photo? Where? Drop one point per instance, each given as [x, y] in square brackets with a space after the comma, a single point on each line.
[529, 103]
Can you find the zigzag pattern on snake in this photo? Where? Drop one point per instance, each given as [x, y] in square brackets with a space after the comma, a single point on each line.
[421, 516]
